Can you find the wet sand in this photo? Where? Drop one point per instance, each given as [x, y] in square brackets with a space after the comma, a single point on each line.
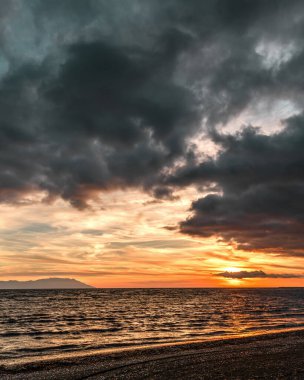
[270, 356]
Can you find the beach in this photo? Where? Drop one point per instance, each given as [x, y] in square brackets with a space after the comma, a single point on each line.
[264, 356]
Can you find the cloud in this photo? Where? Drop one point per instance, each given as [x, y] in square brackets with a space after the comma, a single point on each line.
[154, 244]
[91, 232]
[95, 113]
[101, 95]
[261, 179]
[107, 95]
[257, 274]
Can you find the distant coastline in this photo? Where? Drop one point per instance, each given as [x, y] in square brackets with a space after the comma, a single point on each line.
[45, 283]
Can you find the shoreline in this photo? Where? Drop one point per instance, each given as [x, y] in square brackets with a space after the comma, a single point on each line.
[268, 352]
[92, 352]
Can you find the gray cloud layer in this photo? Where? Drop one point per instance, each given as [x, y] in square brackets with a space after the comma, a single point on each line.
[99, 95]
[256, 274]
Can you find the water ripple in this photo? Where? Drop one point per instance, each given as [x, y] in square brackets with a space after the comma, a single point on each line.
[56, 321]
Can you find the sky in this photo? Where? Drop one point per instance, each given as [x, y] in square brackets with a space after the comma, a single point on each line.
[152, 143]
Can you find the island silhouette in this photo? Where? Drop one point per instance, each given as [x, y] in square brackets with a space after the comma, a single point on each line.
[45, 283]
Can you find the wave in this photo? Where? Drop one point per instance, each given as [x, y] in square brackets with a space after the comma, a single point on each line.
[67, 332]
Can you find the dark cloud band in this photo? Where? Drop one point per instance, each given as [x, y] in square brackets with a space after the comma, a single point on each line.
[256, 274]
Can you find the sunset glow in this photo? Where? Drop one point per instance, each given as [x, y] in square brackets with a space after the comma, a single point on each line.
[125, 244]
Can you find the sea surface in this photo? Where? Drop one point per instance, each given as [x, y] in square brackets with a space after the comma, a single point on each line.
[46, 323]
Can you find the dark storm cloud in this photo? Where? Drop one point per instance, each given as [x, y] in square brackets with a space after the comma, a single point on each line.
[99, 95]
[116, 118]
[256, 274]
[262, 181]
[97, 115]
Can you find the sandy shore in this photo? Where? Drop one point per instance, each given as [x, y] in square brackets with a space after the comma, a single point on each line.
[271, 356]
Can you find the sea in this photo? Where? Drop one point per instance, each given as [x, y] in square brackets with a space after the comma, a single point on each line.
[37, 324]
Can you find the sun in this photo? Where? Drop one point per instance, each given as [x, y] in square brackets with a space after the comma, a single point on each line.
[231, 269]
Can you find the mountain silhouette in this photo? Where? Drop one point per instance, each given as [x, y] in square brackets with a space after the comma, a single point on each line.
[45, 283]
